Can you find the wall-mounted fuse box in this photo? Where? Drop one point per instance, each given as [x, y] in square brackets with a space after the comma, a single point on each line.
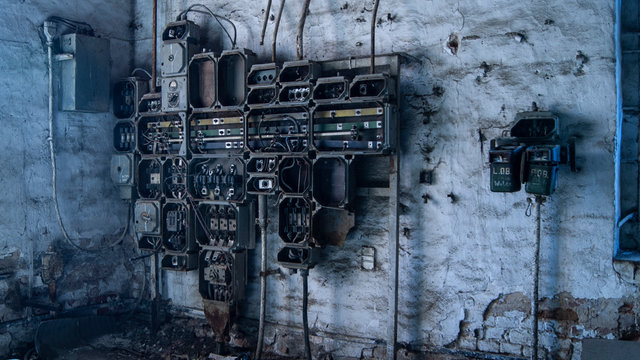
[122, 174]
[542, 169]
[217, 179]
[506, 162]
[531, 154]
[219, 225]
[127, 94]
[85, 69]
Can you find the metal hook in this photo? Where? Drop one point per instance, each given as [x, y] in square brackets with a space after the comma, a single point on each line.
[527, 212]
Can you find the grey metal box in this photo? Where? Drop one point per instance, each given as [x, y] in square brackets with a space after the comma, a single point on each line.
[85, 75]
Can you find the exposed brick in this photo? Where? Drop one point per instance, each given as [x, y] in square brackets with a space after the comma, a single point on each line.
[494, 333]
[489, 346]
[468, 343]
[513, 349]
[519, 337]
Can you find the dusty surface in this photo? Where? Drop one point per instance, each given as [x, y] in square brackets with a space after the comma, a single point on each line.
[466, 254]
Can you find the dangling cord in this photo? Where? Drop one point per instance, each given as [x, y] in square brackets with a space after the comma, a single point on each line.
[305, 319]
[536, 280]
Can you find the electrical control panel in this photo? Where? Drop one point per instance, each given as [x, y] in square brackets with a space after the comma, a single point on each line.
[161, 134]
[354, 127]
[175, 227]
[124, 137]
[294, 220]
[280, 129]
[174, 175]
[263, 178]
[222, 131]
[149, 178]
[331, 89]
[216, 225]
[222, 275]
[179, 42]
[127, 94]
[174, 94]
[220, 179]
[216, 132]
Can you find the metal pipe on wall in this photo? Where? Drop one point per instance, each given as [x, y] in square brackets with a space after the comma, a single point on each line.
[155, 45]
[262, 223]
[264, 25]
[275, 32]
[373, 36]
[303, 18]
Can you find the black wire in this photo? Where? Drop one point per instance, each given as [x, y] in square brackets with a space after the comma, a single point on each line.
[305, 319]
[183, 15]
[73, 24]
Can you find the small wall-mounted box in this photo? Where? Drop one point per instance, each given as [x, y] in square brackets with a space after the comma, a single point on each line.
[85, 69]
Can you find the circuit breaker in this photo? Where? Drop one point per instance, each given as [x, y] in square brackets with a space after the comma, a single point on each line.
[180, 41]
[127, 94]
[531, 154]
[542, 169]
[506, 162]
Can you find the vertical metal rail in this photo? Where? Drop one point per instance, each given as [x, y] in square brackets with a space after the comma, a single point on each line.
[394, 246]
[619, 120]
[155, 45]
[394, 238]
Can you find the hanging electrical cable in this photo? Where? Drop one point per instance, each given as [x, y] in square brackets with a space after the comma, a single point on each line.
[133, 73]
[262, 223]
[539, 200]
[275, 32]
[305, 318]
[373, 36]
[303, 18]
[264, 25]
[217, 17]
[50, 30]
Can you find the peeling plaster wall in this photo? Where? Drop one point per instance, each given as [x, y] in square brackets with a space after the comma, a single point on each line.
[466, 254]
[88, 201]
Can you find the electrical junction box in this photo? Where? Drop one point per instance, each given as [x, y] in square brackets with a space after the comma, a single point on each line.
[542, 163]
[85, 68]
[122, 167]
[506, 168]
